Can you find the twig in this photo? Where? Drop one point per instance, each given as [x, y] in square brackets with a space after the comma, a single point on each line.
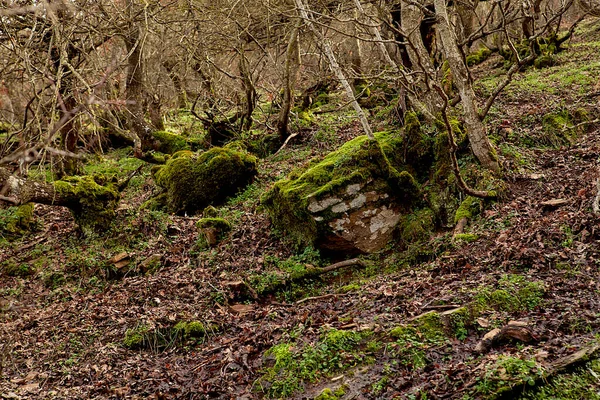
[441, 307]
[596, 203]
[285, 143]
[10, 200]
[325, 296]
[579, 125]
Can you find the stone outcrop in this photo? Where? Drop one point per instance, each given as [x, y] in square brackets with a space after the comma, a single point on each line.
[352, 201]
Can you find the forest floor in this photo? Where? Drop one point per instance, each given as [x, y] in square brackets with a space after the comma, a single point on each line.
[170, 321]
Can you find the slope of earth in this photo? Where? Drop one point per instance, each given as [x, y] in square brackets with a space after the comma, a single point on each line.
[148, 312]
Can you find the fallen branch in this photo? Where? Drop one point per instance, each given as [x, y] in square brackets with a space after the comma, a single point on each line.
[285, 143]
[596, 203]
[325, 296]
[309, 272]
[579, 125]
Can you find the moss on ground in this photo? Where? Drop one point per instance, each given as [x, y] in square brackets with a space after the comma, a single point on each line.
[16, 221]
[479, 56]
[581, 383]
[507, 373]
[193, 181]
[292, 366]
[513, 293]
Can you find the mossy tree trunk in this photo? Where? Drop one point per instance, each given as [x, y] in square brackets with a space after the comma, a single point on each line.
[92, 204]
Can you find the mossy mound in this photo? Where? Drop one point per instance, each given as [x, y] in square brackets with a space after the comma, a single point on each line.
[478, 56]
[212, 230]
[169, 143]
[91, 199]
[361, 184]
[193, 181]
[560, 128]
[16, 221]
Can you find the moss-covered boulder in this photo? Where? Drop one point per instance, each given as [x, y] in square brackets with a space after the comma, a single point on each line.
[16, 221]
[193, 181]
[92, 200]
[351, 201]
[213, 230]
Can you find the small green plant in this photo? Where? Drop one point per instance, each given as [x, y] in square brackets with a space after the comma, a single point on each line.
[506, 373]
[514, 293]
[335, 350]
[137, 338]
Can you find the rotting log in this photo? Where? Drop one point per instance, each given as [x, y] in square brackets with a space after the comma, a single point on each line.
[91, 200]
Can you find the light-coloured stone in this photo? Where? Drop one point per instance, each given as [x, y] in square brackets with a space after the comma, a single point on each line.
[318, 206]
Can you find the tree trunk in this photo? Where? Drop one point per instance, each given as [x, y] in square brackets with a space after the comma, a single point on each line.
[292, 63]
[335, 67]
[249, 91]
[68, 132]
[134, 91]
[420, 60]
[476, 131]
[169, 66]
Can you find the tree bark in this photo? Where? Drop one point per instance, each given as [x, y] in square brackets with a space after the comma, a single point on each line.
[292, 62]
[249, 91]
[420, 60]
[335, 67]
[134, 91]
[476, 131]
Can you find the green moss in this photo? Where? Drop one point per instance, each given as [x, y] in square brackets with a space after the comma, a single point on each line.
[514, 293]
[169, 143]
[478, 56]
[264, 145]
[16, 221]
[136, 338]
[559, 127]
[544, 61]
[581, 383]
[359, 161]
[466, 237]
[417, 226]
[470, 207]
[212, 231]
[291, 366]
[505, 374]
[217, 223]
[12, 268]
[193, 182]
[191, 329]
[328, 394]
[91, 199]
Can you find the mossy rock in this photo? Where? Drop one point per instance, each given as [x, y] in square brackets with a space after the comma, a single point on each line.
[213, 230]
[559, 127]
[169, 143]
[91, 199]
[193, 181]
[16, 221]
[349, 201]
[478, 56]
